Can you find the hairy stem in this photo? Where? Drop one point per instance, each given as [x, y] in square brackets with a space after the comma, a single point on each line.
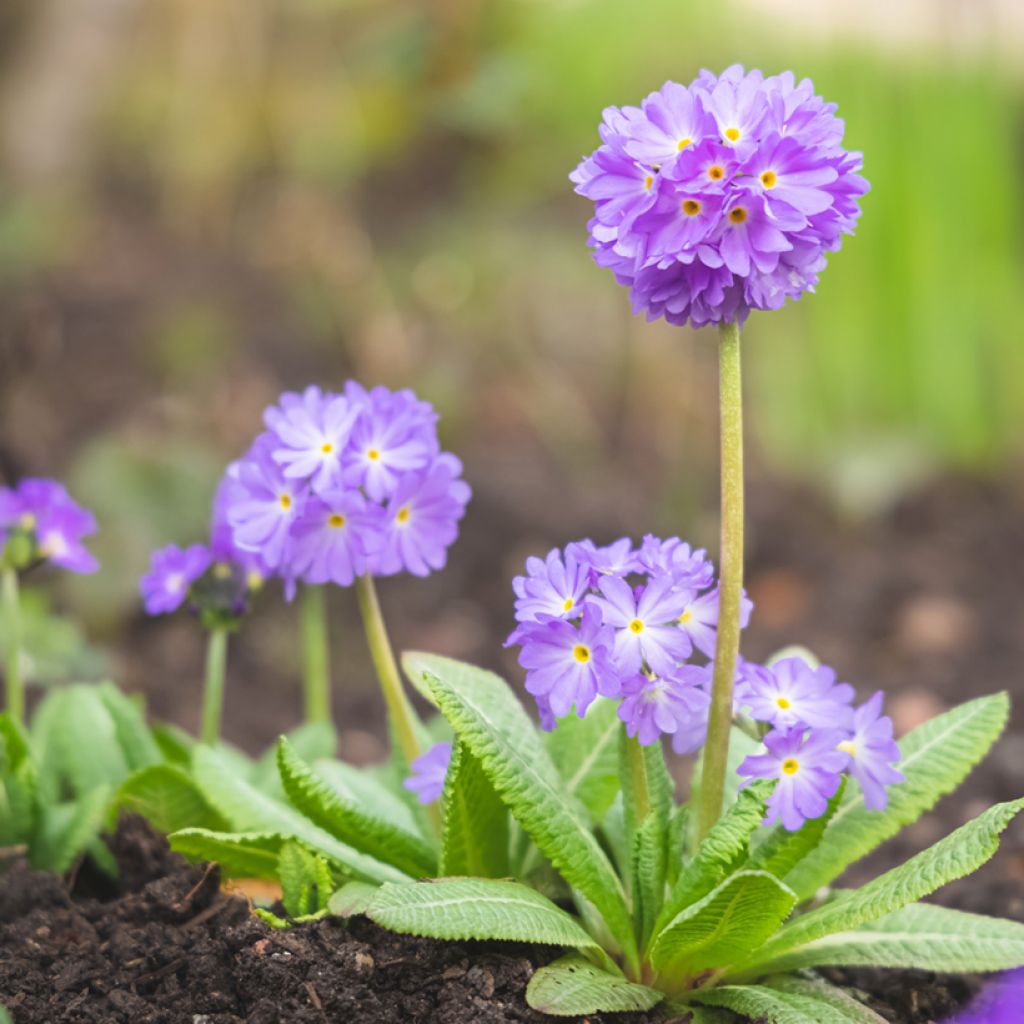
[14, 687]
[716, 750]
[213, 692]
[316, 671]
[639, 787]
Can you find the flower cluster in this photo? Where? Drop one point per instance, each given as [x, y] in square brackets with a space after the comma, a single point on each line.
[721, 197]
[39, 520]
[339, 485]
[636, 624]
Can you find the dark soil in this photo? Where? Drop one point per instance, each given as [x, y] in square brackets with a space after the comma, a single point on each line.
[173, 948]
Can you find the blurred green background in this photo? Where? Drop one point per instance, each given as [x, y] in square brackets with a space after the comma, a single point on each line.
[202, 202]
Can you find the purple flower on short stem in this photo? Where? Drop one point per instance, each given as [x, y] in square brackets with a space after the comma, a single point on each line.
[173, 570]
[428, 773]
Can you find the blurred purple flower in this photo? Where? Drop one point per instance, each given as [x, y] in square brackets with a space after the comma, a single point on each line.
[172, 572]
[332, 538]
[872, 752]
[43, 508]
[428, 773]
[998, 1003]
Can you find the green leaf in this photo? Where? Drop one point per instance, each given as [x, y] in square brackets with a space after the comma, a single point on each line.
[239, 854]
[722, 850]
[476, 908]
[310, 741]
[734, 918]
[348, 821]
[359, 786]
[167, 797]
[773, 1006]
[475, 836]
[936, 757]
[921, 936]
[351, 899]
[572, 985]
[306, 883]
[855, 1012]
[246, 809]
[585, 752]
[66, 829]
[133, 735]
[648, 875]
[18, 784]
[957, 855]
[175, 744]
[490, 721]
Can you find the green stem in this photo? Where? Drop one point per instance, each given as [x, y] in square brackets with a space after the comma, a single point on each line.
[213, 694]
[716, 749]
[14, 687]
[316, 672]
[639, 786]
[400, 710]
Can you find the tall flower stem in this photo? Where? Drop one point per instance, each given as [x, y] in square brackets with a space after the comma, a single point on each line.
[316, 671]
[400, 710]
[14, 687]
[213, 693]
[716, 749]
[639, 785]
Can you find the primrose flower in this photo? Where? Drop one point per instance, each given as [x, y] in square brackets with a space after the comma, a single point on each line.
[872, 751]
[172, 572]
[653, 706]
[52, 522]
[809, 769]
[569, 665]
[699, 618]
[791, 693]
[720, 197]
[551, 586]
[428, 773]
[673, 557]
[333, 537]
[615, 559]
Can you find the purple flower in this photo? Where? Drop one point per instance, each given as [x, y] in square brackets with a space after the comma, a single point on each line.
[172, 572]
[421, 519]
[675, 558]
[569, 665]
[692, 734]
[999, 1002]
[871, 751]
[428, 773]
[720, 197]
[222, 535]
[699, 618]
[43, 508]
[615, 559]
[332, 538]
[662, 705]
[791, 693]
[311, 431]
[552, 586]
[644, 621]
[809, 771]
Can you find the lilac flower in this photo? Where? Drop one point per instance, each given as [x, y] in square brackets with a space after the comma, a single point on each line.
[791, 693]
[615, 559]
[172, 572]
[998, 1003]
[808, 768]
[645, 624]
[699, 618]
[428, 773]
[421, 519]
[551, 586]
[222, 536]
[871, 751]
[568, 665]
[332, 538]
[57, 523]
[311, 431]
[673, 557]
[662, 705]
[720, 197]
[692, 734]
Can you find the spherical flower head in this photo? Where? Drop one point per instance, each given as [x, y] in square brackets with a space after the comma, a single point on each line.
[656, 706]
[310, 432]
[428, 773]
[792, 693]
[720, 197]
[333, 537]
[552, 586]
[569, 665]
[51, 521]
[420, 520]
[872, 752]
[172, 572]
[808, 768]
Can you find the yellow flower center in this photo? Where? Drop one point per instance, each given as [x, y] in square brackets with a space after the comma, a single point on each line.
[403, 514]
[783, 702]
[222, 571]
[716, 172]
[327, 448]
[336, 520]
[769, 179]
[286, 501]
[567, 606]
[254, 580]
[847, 747]
[372, 454]
[648, 182]
[683, 143]
[738, 215]
[790, 766]
[686, 617]
[636, 626]
[27, 521]
[732, 134]
[581, 653]
[691, 207]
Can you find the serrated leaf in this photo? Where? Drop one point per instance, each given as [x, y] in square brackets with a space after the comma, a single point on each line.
[734, 918]
[855, 1012]
[311, 741]
[66, 829]
[359, 786]
[306, 885]
[174, 743]
[772, 1006]
[18, 784]
[920, 936]
[585, 752]
[349, 822]
[489, 719]
[475, 836]
[246, 809]
[351, 899]
[937, 756]
[572, 985]
[133, 735]
[957, 855]
[657, 787]
[167, 797]
[649, 857]
[239, 854]
[476, 908]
